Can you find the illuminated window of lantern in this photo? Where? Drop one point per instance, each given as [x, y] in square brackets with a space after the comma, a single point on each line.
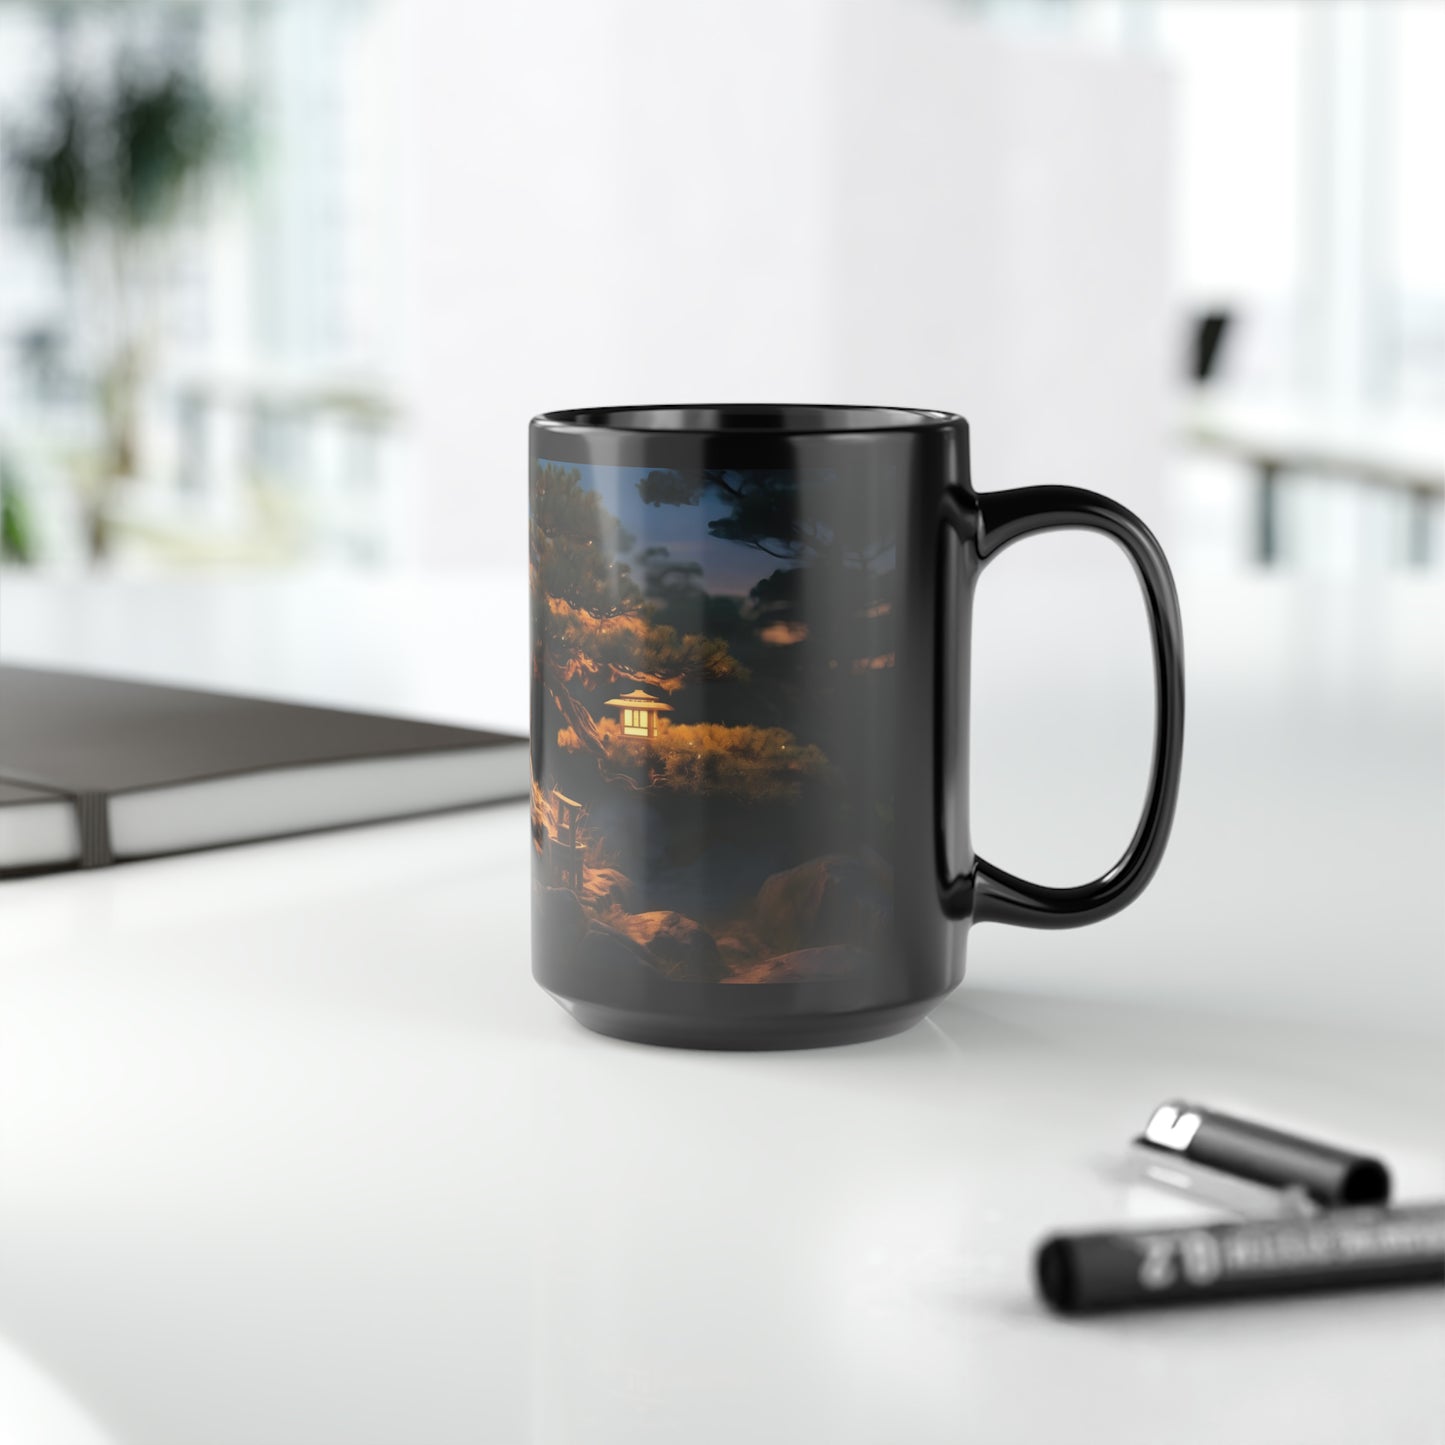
[639, 710]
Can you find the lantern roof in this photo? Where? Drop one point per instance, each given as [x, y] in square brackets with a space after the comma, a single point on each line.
[640, 699]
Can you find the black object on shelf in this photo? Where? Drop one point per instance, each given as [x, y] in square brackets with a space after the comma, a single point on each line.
[1207, 343]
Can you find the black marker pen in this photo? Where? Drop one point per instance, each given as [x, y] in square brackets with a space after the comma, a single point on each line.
[1330, 1175]
[1340, 1249]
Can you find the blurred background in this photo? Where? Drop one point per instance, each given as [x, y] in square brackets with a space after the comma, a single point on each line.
[282, 280]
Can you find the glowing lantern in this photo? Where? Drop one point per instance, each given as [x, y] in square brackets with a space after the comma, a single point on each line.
[639, 712]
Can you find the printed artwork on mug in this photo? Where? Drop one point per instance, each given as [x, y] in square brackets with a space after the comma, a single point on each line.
[713, 716]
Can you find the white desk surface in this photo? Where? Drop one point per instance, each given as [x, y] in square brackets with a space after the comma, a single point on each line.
[292, 1149]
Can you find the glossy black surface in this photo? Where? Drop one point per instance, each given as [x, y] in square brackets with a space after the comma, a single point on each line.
[987, 525]
[832, 609]
[1331, 1176]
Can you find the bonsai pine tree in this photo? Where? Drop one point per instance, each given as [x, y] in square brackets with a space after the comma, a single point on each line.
[595, 630]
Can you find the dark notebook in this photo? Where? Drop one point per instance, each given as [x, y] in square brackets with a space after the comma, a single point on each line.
[98, 770]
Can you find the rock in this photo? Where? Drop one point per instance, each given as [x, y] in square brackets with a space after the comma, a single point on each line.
[558, 919]
[737, 950]
[805, 965]
[608, 887]
[836, 899]
[604, 948]
[679, 947]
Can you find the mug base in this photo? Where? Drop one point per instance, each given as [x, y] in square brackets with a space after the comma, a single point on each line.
[805, 1032]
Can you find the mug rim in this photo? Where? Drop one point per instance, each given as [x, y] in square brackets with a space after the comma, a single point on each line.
[745, 419]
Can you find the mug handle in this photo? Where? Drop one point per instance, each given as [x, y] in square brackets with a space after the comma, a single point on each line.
[987, 524]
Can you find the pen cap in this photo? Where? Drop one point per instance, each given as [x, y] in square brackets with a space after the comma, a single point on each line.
[1329, 1175]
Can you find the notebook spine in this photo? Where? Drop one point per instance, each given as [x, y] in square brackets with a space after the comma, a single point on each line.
[94, 816]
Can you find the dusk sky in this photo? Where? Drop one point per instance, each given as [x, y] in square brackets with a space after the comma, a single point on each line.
[728, 567]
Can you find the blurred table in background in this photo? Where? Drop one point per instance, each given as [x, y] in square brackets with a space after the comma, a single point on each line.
[1401, 452]
[291, 1147]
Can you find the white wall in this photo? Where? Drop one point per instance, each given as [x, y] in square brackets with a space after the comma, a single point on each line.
[631, 200]
[1003, 231]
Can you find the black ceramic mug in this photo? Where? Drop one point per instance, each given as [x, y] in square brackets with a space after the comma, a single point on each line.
[750, 670]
